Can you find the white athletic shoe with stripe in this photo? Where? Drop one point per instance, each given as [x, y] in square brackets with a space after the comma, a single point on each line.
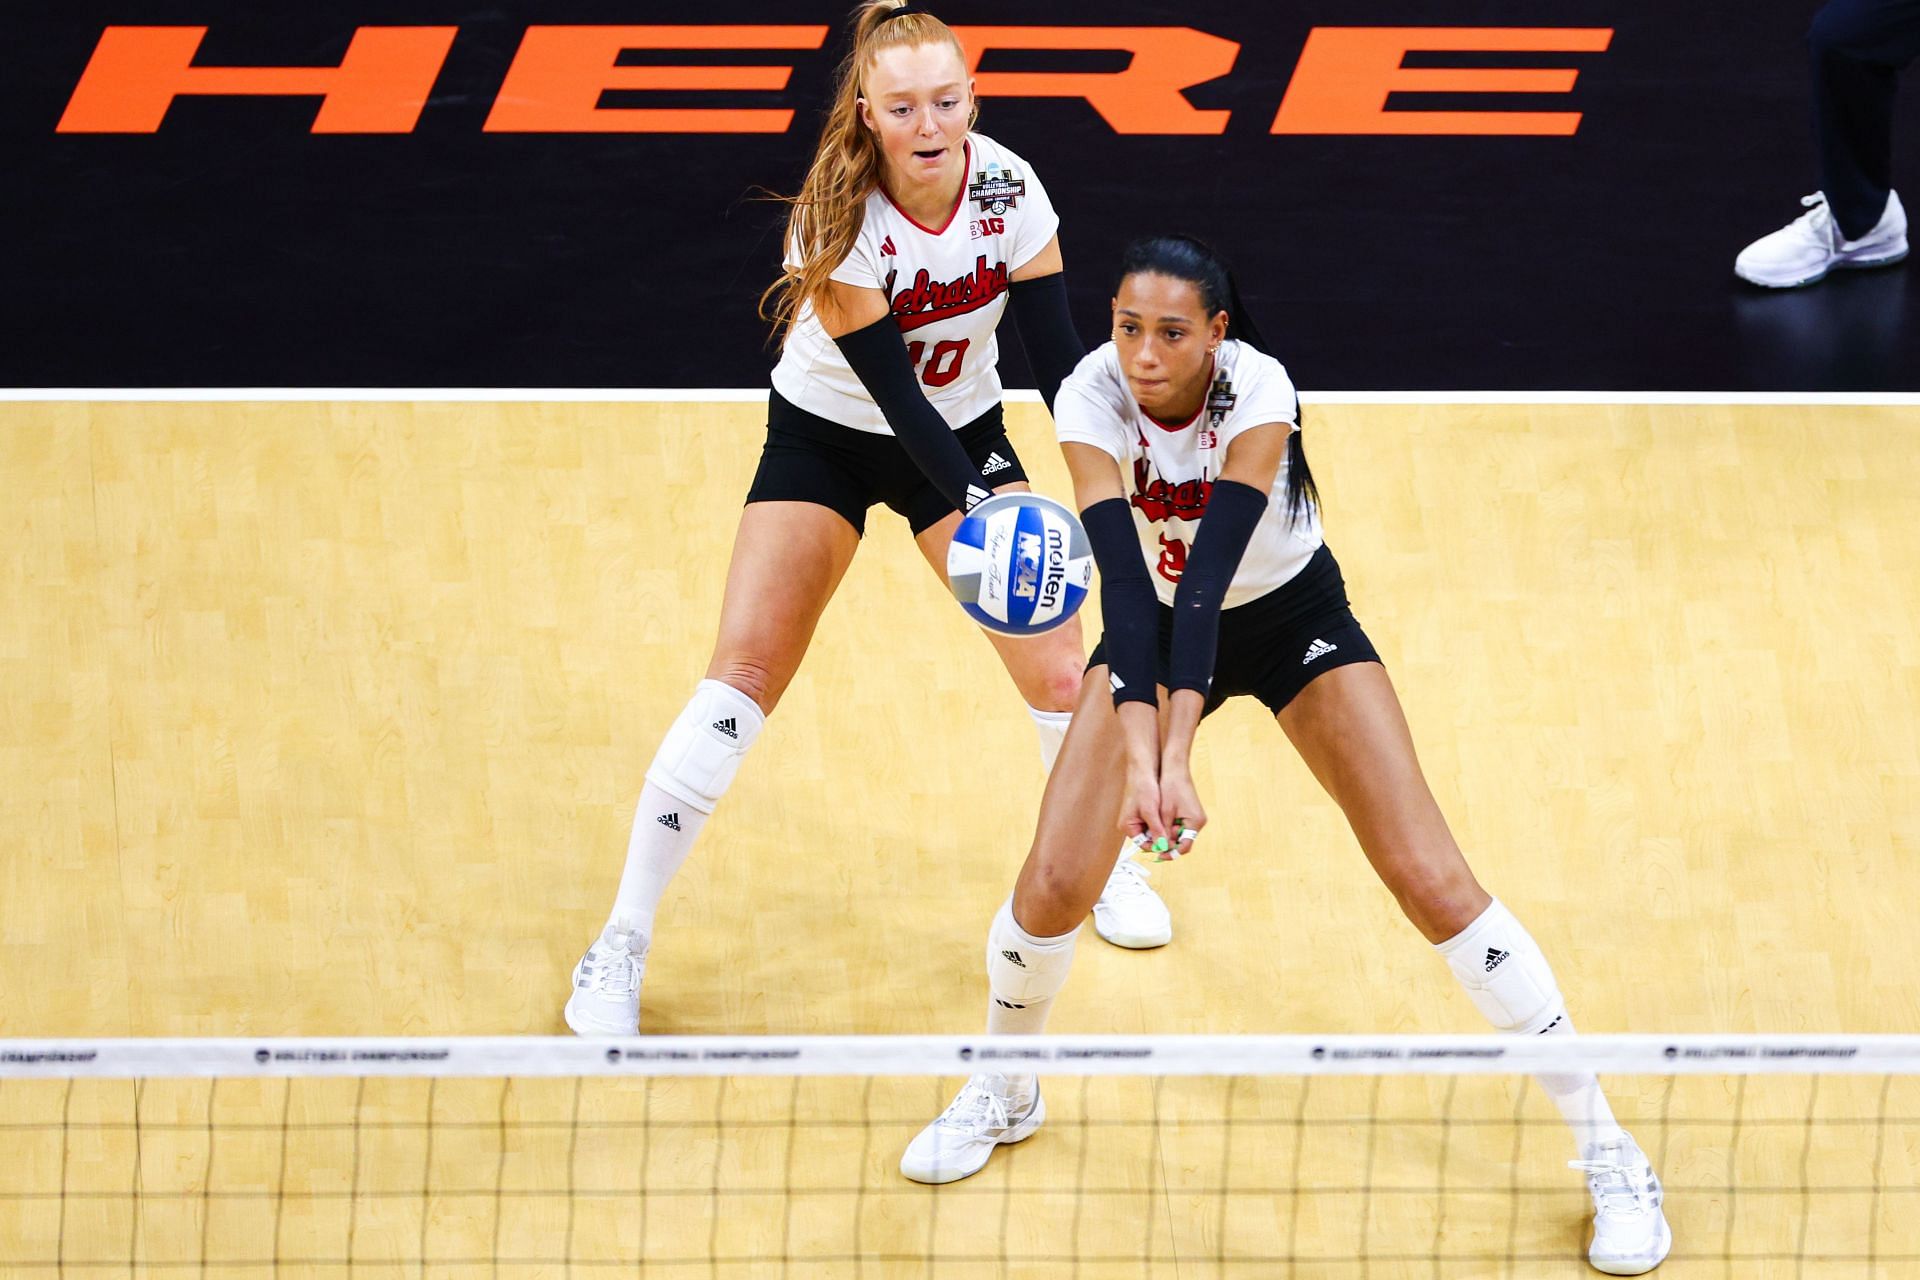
[606, 986]
[1810, 246]
[1129, 913]
[1630, 1232]
[985, 1114]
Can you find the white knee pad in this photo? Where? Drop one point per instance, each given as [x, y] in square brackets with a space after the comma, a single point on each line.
[1505, 974]
[1022, 969]
[701, 752]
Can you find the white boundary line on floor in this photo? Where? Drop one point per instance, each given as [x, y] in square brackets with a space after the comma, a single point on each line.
[736, 395]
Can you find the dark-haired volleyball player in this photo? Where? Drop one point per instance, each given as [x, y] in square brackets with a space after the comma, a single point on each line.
[906, 242]
[1185, 451]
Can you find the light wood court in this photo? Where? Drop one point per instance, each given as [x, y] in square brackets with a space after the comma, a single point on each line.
[329, 719]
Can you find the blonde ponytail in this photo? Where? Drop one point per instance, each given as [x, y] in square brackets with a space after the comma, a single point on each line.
[827, 213]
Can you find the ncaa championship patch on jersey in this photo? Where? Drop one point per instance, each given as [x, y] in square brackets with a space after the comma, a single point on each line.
[1020, 564]
[996, 189]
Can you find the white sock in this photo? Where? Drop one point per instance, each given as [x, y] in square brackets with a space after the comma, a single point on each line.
[1509, 981]
[1052, 726]
[664, 829]
[1024, 975]
[1582, 1103]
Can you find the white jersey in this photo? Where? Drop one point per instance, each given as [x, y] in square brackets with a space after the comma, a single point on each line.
[948, 286]
[1172, 467]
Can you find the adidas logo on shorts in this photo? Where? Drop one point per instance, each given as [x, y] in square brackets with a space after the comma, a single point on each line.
[671, 821]
[1015, 957]
[727, 727]
[995, 463]
[1494, 958]
[1318, 649]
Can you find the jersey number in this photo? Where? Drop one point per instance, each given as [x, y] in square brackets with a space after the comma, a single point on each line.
[1173, 558]
[943, 365]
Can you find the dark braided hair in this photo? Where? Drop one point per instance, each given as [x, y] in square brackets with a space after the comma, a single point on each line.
[1194, 261]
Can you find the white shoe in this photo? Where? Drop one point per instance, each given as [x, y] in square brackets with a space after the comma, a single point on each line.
[606, 986]
[1130, 913]
[985, 1114]
[1630, 1232]
[1811, 245]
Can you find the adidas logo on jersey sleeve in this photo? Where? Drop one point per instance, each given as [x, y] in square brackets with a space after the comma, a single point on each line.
[995, 463]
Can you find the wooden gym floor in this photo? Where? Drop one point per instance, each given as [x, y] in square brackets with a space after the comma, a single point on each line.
[328, 719]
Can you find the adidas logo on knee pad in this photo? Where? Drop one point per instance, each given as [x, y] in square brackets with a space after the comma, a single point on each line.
[728, 727]
[1015, 957]
[1494, 958]
[1007, 1004]
[671, 821]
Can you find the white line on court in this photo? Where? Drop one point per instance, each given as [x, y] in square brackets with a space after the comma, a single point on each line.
[737, 395]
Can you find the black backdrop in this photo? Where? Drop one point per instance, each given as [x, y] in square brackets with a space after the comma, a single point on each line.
[234, 247]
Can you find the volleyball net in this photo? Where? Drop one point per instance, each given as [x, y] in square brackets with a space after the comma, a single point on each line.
[765, 1156]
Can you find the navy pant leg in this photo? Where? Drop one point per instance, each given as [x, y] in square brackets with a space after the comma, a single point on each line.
[1858, 48]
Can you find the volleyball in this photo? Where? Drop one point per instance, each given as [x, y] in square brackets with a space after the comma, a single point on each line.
[1020, 564]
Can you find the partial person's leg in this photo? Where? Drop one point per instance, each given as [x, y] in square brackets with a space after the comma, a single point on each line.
[1031, 941]
[1856, 49]
[1349, 728]
[1047, 669]
[788, 557]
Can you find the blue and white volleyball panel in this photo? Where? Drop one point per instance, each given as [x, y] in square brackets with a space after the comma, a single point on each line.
[1020, 564]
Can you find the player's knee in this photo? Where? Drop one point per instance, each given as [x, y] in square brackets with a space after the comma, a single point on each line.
[1048, 902]
[750, 676]
[1061, 691]
[703, 748]
[1440, 900]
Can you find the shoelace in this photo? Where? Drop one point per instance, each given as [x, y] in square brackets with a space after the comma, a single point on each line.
[978, 1107]
[1616, 1187]
[612, 970]
[1129, 880]
[1816, 223]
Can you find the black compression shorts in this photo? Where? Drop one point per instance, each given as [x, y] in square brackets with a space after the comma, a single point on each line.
[810, 459]
[1273, 646]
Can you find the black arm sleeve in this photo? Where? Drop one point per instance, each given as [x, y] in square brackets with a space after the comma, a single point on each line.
[1233, 509]
[878, 358]
[1128, 605]
[1046, 331]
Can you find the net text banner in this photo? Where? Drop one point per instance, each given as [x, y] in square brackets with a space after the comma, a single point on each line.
[1480, 196]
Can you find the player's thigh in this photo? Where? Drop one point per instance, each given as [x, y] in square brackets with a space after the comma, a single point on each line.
[1076, 839]
[788, 558]
[1349, 728]
[1045, 668]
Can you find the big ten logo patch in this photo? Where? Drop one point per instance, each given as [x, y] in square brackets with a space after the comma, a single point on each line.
[982, 227]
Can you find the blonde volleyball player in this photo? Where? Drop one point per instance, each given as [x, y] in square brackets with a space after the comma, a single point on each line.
[907, 241]
[1182, 435]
